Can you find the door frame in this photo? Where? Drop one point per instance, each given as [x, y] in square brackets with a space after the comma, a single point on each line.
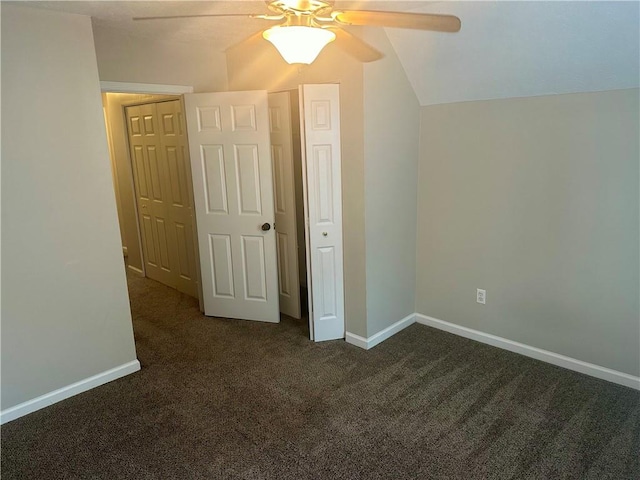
[172, 93]
[123, 113]
[148, 88]
[294, 122]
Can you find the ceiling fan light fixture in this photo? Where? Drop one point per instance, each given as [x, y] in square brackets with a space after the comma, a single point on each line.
[299, 44]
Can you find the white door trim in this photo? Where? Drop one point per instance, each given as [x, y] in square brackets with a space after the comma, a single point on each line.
[152, 88]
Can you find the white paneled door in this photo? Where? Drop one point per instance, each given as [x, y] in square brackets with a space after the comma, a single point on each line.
[163, 193]
[321, 107]
[153, 207]
[233, 192]
[285, 202]
[174, 151]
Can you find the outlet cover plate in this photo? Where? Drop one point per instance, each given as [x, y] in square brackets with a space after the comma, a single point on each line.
[481, 296]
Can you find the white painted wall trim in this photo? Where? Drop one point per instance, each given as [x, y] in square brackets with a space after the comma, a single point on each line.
[563, 361]
[356, 340]
[382, 335]
[69, 391]
[126, 87]
[135, 271]
[533, 352]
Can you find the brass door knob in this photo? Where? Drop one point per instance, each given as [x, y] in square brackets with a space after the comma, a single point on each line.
[266, 227]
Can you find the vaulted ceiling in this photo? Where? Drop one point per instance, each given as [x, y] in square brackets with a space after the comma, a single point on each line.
[521, 49]
[504, 49]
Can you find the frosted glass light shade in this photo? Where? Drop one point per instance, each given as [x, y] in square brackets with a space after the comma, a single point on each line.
[299, 44]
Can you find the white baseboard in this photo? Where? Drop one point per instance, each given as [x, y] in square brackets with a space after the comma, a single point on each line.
[135, 271]
[533, 352]
[382, 335]
[356, 340]
[69, 391]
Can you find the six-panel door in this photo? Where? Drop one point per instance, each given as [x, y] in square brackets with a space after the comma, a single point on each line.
[174, 146]
[233, 192]
[162, 186]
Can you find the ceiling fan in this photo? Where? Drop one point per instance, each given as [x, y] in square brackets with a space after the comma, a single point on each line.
[307, 26]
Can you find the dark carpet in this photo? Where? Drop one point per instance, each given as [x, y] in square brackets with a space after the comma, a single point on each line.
[219, 399]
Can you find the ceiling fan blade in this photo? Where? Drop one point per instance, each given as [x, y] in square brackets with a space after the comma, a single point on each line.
[355, 47]
[246, 15]
[419, 21]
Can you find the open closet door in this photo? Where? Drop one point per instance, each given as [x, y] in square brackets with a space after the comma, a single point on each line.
[285, 202]
[321, 118]
[233, 192]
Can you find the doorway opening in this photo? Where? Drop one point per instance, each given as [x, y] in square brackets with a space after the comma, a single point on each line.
[149, 162]
[287, 162]
[153, 175]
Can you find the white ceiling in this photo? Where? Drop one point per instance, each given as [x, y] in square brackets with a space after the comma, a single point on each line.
[220, 32]
[521, 49]
[505, 49]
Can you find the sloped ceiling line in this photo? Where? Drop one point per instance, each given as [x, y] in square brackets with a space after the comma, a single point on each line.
[505, 49]
[522, 49]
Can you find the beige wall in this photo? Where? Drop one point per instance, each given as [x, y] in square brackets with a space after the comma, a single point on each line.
[536, 201]
[391, 151]
[261, 67]
[126, 58]
[65, 309]
[125, 194]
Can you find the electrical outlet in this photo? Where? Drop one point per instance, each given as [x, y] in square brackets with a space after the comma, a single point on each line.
[481, 296]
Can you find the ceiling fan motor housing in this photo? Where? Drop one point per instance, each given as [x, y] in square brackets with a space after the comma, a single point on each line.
[314, 23]
[299, 7]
